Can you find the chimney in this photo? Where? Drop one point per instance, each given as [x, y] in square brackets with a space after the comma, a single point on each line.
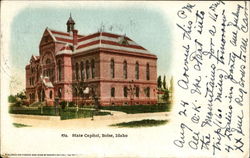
[75, 37]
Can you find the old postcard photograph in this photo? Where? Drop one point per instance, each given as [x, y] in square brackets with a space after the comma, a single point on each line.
[124, 79]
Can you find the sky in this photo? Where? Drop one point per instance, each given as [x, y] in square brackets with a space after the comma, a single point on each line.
[148, 27]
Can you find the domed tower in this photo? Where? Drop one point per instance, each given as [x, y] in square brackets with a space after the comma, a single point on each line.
[70, 24]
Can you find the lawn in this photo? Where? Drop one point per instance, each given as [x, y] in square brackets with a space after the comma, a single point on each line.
[19, 125]
[72, 113]
[133, 109]
[141, 123]
[65, 114]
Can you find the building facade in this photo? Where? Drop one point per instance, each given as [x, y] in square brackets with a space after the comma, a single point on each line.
[105, 67]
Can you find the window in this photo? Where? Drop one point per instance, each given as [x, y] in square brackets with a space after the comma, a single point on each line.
[137, 91]
[75, 93]
[48, 61]
[147, 72]
[77, 71]
[50, 94]
[59, 92]
[93, 68]
[125, 71]
[59, 70]
[82, 71]
[125, 91]
[52, 75]
[137, 70]
[37, 73]
[32, 81]
[148, 92]
[87, 69]
[81, 92]
[49, 72]
[112, 68]
[112, 92]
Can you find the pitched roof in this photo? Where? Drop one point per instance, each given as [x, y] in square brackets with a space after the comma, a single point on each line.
[64, 37]
[34, 58]
[70, 21]
[97, 40]
[110, 41]
[37, 57]
[47, 82]
[66, 49]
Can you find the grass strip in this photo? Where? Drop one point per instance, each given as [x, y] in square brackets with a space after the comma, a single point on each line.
[141, 123]
[19, 125]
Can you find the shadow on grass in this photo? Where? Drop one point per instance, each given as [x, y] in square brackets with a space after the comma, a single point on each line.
[19, 125]
[134, 109]
[141, 123]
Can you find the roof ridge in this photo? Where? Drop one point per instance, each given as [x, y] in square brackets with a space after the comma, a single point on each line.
[57, 31]
[88, 35]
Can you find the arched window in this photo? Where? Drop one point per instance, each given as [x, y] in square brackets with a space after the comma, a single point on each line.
[37, 73]
[112, 92]
[82, 71]
[87, 69]
[148, 92]
[77, 71]
[43, 95]
[32, 70]
[112, 68]
[48, 61]
[137, 70]
[50, 94]
[125, 71]
[147, 72]
[125, 91]
[81, 92]
[52, 75]
[59, 92]
[59, 70]
[93, 68]
[75, 93]
[137, 91]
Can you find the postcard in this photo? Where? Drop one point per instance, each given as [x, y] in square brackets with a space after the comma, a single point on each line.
[125, 79]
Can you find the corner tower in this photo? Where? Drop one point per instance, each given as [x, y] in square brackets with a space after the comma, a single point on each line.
[70, 24]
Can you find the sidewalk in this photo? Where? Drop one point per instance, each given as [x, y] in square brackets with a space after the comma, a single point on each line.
[97, 122]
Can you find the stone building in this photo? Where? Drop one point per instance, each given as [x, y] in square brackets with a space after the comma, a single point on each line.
[111, 68]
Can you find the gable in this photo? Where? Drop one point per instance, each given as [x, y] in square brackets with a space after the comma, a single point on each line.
[46, 38]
